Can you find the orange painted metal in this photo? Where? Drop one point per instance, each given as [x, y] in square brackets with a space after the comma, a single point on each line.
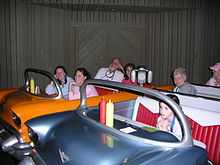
[165, 87]
[27, 106]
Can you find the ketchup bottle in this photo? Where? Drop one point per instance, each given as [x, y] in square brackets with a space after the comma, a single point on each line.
[102, 111]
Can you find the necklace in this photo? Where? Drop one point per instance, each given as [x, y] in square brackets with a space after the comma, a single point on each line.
[109, 74]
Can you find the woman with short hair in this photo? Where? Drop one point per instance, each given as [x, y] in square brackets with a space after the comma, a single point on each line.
[80, 75]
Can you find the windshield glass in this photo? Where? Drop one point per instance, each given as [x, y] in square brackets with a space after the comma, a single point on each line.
[37, 83]
[140, 117]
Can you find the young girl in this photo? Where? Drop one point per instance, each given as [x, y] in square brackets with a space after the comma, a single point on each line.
[167, 120]
[127, 73]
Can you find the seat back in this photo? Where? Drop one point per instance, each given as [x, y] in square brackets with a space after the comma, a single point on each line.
[205, 123]
[104, 91]
[209, 135]
[204, 116]
[207, 91]
[145, 116]
[146, 110]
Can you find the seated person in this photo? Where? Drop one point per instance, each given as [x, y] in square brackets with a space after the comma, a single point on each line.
[113, 73]
[167, 120]
[63, 80]
[180, 80]
[215, 79]
[80, 75]
[127, 73]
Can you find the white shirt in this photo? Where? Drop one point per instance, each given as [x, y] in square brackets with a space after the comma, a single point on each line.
[51, 89]
[213, 82]
[74, 91]
[106, 74]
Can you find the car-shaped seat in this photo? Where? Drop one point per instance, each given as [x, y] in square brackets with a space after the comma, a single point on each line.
[80, 136]
[202, 113]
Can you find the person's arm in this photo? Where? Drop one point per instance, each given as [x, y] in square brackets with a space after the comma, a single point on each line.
[163, 124]
[120, 68]
[119, 76]
[210, 82]
[50, 89]
[74, 92]
[177, 129]
[99, 74]
[91, 91]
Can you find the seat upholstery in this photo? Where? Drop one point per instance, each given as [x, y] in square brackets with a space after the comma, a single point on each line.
[145, 116]
[210, 135]
[103, 91]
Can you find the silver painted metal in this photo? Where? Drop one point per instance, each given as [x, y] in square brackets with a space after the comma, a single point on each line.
[25, 147]
[186, 140]
[27, 161]
[8, 144]
[141, 76]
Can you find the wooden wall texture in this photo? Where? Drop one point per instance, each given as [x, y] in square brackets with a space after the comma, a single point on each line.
[158, 34]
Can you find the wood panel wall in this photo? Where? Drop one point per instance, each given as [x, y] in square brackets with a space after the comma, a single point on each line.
[160, 35]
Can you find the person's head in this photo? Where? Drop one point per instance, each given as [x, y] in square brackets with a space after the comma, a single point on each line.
[127, 69]
[216, 71]
[165, 111]
[179, 76]
[60, 74]
[116, 64]
[80, 75]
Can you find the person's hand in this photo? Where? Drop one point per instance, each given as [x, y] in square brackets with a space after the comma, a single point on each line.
[163, 124]
[71, 86]
[111, 68]
[51, 83]
[120, 67]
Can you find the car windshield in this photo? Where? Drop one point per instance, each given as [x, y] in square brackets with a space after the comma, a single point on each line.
[138, 117]
[36, 82]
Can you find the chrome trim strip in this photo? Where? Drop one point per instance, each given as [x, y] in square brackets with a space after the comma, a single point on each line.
[8, 131]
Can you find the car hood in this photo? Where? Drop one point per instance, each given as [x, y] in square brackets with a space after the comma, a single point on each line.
[5, 92]
[16, 98]
[72, 140]
[27, 106]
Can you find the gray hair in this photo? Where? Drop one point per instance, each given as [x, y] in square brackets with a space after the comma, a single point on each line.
[181, 71]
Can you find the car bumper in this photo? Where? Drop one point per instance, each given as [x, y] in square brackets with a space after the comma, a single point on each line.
[11, 142]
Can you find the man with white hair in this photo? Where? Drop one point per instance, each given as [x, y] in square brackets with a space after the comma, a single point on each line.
[180, 80]
[114, 72]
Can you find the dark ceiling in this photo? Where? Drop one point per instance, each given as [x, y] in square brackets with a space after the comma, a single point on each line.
[141, 6]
